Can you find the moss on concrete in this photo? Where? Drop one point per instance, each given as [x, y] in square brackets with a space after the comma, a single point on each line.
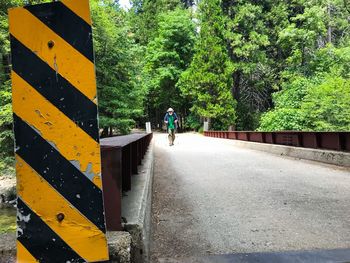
[7, 220]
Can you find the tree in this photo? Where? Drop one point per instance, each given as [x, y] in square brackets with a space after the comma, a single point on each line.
[327, 106]
[322, 106]
[316, 46]
[6, 135]
[117, 68]
[167, 56]
[143, 17]
[320, 102]
[287, 114]
[207, 82]
[252, 41]
[120, 99]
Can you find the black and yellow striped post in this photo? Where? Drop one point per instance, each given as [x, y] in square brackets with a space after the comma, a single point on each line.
[60, 206]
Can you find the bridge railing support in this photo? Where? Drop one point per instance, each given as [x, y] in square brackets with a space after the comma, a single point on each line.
[121, 156]
[338, 141]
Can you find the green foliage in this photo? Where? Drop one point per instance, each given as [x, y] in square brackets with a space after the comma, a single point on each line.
[167, 56]
[285, 119]
[322, 105]
[144, 17]
[251, 32]
[317, 67]
[225, 61]
[117, 69]
[207, 81]
[193, 122]
[6, 135]
[201, 130]
[326, 107]
[120, 99]
[7, 220]
[287, 114]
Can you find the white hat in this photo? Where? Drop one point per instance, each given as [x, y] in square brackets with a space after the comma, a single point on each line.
[170, 109]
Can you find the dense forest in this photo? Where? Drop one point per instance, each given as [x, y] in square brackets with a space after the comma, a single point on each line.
[240, 64]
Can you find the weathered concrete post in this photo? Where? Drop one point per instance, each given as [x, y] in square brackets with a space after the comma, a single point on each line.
[148, 127]
[60, 206]
[205, 126]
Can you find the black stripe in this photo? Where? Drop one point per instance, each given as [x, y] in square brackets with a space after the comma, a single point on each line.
[60, 173]
[55, 88]
[65, 23]
[39, 239]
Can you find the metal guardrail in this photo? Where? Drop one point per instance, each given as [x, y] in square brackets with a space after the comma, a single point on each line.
[338, 141]
[120, 157]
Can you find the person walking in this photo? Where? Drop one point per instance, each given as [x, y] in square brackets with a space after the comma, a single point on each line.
[170, 119]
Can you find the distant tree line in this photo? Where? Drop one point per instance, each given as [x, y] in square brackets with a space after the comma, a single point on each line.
[239, 64]
[246, 64]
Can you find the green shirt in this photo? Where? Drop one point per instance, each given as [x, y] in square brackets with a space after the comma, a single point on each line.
[171, 124]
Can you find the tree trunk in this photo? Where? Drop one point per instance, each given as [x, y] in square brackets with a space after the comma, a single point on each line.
[104, 132]
[236, 89]
[303, 55]
[329, 30]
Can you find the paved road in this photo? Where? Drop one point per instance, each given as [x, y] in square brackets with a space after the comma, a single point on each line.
[211, 197]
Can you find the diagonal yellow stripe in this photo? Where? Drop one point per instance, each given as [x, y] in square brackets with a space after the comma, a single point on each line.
[77, 231]
[55, 127]
[23, 255]
[80, 8]
[62, 57]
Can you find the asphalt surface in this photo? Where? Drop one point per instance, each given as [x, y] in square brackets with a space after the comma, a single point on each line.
[213, 198]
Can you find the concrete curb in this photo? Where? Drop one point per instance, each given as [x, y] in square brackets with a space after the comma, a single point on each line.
[319, 155]
[136, 209]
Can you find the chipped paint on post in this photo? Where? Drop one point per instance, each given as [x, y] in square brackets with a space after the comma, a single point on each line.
[60, 207]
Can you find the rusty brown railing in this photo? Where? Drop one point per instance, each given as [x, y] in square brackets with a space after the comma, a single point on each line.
[120, 157]
[338, 141]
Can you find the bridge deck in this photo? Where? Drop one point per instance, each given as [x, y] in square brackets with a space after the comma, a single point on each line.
[211, 197]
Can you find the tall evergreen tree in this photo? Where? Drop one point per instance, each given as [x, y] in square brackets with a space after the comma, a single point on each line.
[120, 99]
[207, 82]
[167, 56]
[144, 16]
[252, 34]
[316, 45]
